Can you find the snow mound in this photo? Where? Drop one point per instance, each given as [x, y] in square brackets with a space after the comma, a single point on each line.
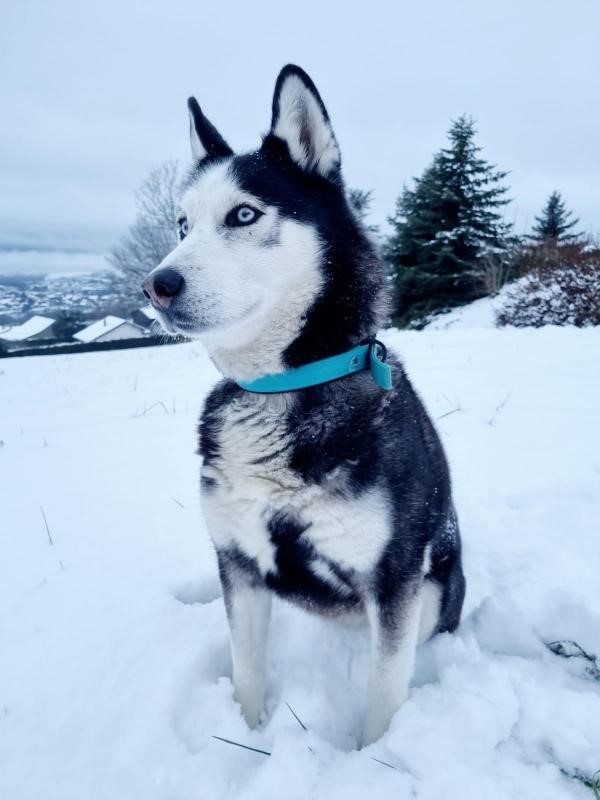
[115, 667]
[479, 314]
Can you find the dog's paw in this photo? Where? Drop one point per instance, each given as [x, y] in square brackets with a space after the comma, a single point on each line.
[369, 737]
[375, 727]
[252, 704]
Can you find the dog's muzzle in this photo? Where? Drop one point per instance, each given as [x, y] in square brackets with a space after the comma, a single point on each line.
[162, 287]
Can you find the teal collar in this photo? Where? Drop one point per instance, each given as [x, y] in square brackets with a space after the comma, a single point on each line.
[365, 356]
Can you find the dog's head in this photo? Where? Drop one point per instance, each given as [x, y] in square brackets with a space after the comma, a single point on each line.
[256, 230]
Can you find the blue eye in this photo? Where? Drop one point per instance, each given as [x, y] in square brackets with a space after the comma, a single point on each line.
[242, 215]
[245, 215]
[182, 228]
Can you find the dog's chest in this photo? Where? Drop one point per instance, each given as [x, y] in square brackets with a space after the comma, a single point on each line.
[295, 533]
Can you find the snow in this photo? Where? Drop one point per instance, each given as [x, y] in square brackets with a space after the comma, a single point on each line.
[149, 311]
[33, 327]
[478, 314]
[101, 327]
[114, 673]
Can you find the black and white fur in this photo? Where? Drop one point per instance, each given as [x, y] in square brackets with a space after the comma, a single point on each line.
[336, 497]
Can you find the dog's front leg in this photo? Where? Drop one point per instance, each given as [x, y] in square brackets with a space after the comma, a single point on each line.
[248, 610]
[394, 624]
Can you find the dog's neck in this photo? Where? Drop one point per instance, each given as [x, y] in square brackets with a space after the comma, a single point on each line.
[349, 308]
[257, 347]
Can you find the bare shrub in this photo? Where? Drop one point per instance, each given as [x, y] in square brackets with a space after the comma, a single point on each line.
[152, 236]
[498, 267]
[560, 286]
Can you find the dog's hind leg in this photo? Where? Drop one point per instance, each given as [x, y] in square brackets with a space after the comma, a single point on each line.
[446, 572]
[430, 610]
[394, 626]
[248, 611]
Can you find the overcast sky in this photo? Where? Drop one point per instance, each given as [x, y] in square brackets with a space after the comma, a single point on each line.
[92, 96]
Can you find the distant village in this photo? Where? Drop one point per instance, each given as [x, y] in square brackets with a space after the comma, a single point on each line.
[42, 314]
[44, 332]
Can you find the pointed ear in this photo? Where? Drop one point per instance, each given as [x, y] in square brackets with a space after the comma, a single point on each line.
[301, 120]
[204, 137]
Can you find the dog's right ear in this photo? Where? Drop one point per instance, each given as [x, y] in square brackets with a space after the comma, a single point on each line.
[204, 137]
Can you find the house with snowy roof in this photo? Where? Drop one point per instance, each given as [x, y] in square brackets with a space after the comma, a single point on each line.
[35, 329]
[110, 329]
[144, 317]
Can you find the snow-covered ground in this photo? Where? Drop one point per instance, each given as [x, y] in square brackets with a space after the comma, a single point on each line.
[114, 662]
[476, 315]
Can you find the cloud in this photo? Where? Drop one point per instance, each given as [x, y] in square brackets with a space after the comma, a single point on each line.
[26, 262]
[93, 96]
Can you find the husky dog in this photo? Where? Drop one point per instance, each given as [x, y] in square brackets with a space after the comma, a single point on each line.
[337, 496]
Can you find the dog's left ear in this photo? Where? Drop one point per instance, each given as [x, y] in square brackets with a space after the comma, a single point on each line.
[301, 120]
[205, 139]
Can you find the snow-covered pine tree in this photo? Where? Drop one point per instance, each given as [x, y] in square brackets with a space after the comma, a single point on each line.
[444, 226]
[360, 202]
[555, 223]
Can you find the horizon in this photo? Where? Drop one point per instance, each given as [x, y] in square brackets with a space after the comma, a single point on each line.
[84, 136]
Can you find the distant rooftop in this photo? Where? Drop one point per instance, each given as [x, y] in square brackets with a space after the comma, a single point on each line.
[99, 328]
[33, 327]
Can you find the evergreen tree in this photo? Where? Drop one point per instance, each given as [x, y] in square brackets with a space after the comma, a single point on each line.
[360, 201]
[67, 324]
[554, 223]
[444, 226]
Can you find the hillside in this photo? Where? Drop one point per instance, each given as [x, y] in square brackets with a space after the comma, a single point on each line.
[477, 315]
[84, 294]
[115, 668]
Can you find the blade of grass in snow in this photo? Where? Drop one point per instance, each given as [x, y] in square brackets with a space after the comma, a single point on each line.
[244, 746]
[303, 726]
[592, 783]
[47, 527]
[385, 763]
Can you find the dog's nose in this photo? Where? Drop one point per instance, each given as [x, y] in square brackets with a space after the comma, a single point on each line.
[163, 286]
